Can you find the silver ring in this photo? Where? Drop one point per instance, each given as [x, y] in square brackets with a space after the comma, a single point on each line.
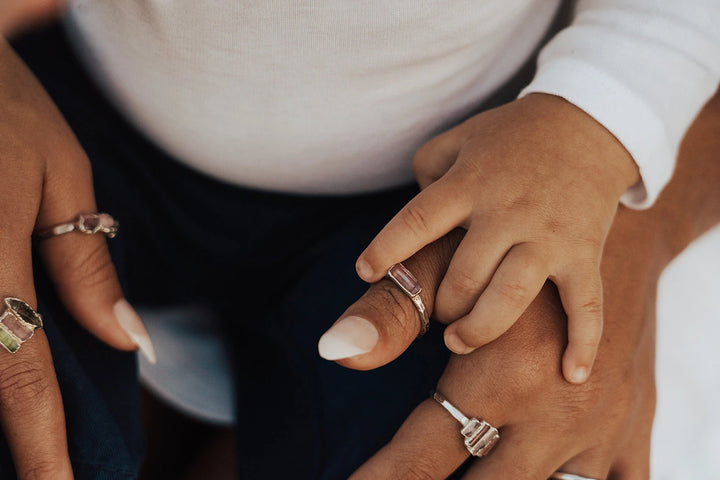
[411, 287]
[88, 223]
[568, 476]
[480, 436]
[17, 324]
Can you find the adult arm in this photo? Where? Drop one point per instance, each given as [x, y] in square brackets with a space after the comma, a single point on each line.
[597, 429]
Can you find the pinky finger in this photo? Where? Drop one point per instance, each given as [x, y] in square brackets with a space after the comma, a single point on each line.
[581, 295]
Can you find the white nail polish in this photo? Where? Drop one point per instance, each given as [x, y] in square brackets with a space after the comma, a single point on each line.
[130, 321]
[349, 337]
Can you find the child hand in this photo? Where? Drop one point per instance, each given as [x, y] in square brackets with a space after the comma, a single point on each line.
[536, 184]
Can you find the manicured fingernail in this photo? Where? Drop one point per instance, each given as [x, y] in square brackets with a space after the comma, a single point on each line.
[130, 321]
[579, 375]
[453, 342]
[349, 337]
[364, 270]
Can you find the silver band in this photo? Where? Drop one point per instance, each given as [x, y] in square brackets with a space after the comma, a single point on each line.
[568, 476]
[88, 223]
[480, 436]
[407, 282]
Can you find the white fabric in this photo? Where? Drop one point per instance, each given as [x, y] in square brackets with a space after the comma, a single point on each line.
[300, 96]
[642, 68]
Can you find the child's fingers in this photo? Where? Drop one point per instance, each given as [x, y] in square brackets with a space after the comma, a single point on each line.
[513, 287]
[581, 295]
[431, 214]
[470, 271]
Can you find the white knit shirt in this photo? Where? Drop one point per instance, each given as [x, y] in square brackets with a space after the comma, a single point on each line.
[335, 97]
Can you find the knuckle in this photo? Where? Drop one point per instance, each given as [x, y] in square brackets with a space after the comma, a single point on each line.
[41, 471]
[462, 284]
[24, 382]
[414, 467]
[512, 292]
[415, 220]
[91, 269]
[390, 303]
[594, 309]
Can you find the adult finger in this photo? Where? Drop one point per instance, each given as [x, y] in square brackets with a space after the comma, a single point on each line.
[79, 265]
[633, 461]
[384, 322]
[581, 295]
[31, 409]
[515, 284]
[593, 463]
[431, 214]
[434, 158]
[428, 445]
[520, 454]
[469, 273]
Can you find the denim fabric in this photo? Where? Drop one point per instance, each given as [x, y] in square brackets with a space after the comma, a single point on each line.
[279, 269]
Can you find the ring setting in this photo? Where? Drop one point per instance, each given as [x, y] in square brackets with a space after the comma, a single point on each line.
[407, 282]
[88, 223]
[17, 324]
[480, 436]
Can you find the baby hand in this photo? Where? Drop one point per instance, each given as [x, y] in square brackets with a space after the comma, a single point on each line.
[536, 184]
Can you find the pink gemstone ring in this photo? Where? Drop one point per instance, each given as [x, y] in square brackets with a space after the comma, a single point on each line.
[480, 436]
[17, 324]
[88, 223]
[411, 287]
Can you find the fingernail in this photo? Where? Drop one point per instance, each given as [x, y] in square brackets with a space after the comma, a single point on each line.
[453, 342]
[579, 375]
[130, 321]
[364, 270]
[349, 337]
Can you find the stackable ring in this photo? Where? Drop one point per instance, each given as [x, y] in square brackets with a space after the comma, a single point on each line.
[88, 223]
[480, 436]
[567, 476]
[17, 324]
[409, 284]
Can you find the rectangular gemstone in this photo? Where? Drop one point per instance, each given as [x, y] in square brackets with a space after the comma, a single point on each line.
[16, 327]
[405, 279]
[8, 341]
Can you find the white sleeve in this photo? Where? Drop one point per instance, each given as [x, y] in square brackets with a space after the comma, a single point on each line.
[643, 69]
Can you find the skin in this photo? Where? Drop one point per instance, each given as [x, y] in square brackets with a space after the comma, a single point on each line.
[45, 179]
[599, 429]
[602, 426]
[536, 184]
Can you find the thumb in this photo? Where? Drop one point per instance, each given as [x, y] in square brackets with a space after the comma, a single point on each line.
[79, 264]
[381, 325]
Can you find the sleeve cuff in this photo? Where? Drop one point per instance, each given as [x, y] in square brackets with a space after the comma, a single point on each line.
[619, 110]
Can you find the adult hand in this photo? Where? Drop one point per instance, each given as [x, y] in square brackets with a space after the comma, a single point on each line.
[536, 184]
[45, 179]
[596, 429]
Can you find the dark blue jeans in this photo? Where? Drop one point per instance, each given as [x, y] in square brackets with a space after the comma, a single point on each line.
[279, 270]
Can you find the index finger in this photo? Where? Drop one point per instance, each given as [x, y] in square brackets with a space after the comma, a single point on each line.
[431, 214]
[427, 445]
[31, 411]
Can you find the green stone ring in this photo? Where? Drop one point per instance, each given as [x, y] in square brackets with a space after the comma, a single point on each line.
[17, 324]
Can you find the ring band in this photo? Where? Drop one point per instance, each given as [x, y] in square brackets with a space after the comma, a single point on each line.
[409, 284]
[17, 324]
[568, 476]
[480, 436]
[88, 223]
